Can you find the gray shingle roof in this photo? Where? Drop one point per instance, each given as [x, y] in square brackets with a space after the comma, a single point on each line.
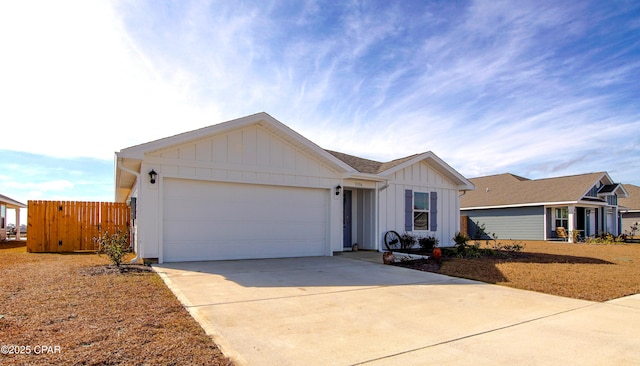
[509, 189]
[369, 166]
[633, 201]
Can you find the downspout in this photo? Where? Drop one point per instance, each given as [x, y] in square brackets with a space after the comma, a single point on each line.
[137, 257]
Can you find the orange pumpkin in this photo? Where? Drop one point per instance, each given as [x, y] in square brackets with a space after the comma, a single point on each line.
[437, 253]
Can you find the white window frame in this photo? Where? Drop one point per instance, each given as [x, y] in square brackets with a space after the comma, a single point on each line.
[422, 211]
[561, 219]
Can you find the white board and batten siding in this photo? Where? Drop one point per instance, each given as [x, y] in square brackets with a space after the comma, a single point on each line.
[421, 177]
[247, 193]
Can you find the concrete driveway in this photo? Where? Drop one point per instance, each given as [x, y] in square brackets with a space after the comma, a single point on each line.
[347, 310]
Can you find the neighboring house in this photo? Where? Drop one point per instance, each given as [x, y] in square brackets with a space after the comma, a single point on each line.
[254, 188]
[630, 208]
[9, 203]
[514, 207]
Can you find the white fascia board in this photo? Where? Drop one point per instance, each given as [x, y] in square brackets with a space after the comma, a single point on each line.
[605, 174]
[365, 176]
[545, 204]
[11, 203]
[623, 209]
[441, 166]
[520, 205]
[621, 189]
[121, 168]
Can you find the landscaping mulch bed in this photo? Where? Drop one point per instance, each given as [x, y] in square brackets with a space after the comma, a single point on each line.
[595, 272]
[76, 309]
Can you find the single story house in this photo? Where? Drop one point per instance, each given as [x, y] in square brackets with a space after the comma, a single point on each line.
[9, 203]
[254, 188]
[514, 207]
[630, 208]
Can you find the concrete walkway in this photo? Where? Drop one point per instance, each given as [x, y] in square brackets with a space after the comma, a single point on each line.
[350, 309]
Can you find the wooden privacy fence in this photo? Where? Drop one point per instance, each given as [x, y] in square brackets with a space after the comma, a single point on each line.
[67, 226]
[464, 224]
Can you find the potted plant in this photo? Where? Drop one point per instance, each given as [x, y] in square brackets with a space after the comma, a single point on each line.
[388, 258]
[428, 243]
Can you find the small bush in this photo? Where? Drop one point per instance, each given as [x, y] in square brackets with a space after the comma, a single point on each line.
[407, 241]
[428, 243]
[606, 238]
[493, 248]
[114, 246]
[461, 238]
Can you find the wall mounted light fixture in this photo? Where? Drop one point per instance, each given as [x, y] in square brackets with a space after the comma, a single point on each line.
[152, 176]
[338, 189]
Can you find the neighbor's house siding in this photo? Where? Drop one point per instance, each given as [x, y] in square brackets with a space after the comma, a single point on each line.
[420, 177]
[251, 155]
[628, 220]
[521, 223]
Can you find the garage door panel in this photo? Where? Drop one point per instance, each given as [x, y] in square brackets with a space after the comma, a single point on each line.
[214, 220]
[194, 231]
[220, 250]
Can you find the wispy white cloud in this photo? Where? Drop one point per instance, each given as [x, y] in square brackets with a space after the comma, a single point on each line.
[74, 80]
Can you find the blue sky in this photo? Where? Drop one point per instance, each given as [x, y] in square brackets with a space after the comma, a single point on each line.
[538, 89]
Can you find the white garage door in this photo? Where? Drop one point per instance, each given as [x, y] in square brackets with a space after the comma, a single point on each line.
[215, 221]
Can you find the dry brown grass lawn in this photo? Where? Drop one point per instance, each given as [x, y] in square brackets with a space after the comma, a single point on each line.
[582, 271]
[95, 316]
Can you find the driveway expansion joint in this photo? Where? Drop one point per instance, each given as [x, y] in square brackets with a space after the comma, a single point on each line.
[489, 331]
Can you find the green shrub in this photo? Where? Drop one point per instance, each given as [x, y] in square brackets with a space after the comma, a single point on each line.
[606, 238]
[494, 248]
[407, 241]
[428, 243]
[461, 238]
[115, 246]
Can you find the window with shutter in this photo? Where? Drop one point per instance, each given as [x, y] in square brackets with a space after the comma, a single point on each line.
[421, 211]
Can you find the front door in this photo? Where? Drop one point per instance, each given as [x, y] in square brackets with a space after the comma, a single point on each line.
[346, 219]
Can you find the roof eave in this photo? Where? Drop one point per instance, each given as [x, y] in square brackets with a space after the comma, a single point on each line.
[533, 204]
[367, 176]
[11, 203]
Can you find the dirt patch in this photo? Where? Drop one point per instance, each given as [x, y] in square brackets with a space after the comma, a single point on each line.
[87, 312]
[581, 271]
